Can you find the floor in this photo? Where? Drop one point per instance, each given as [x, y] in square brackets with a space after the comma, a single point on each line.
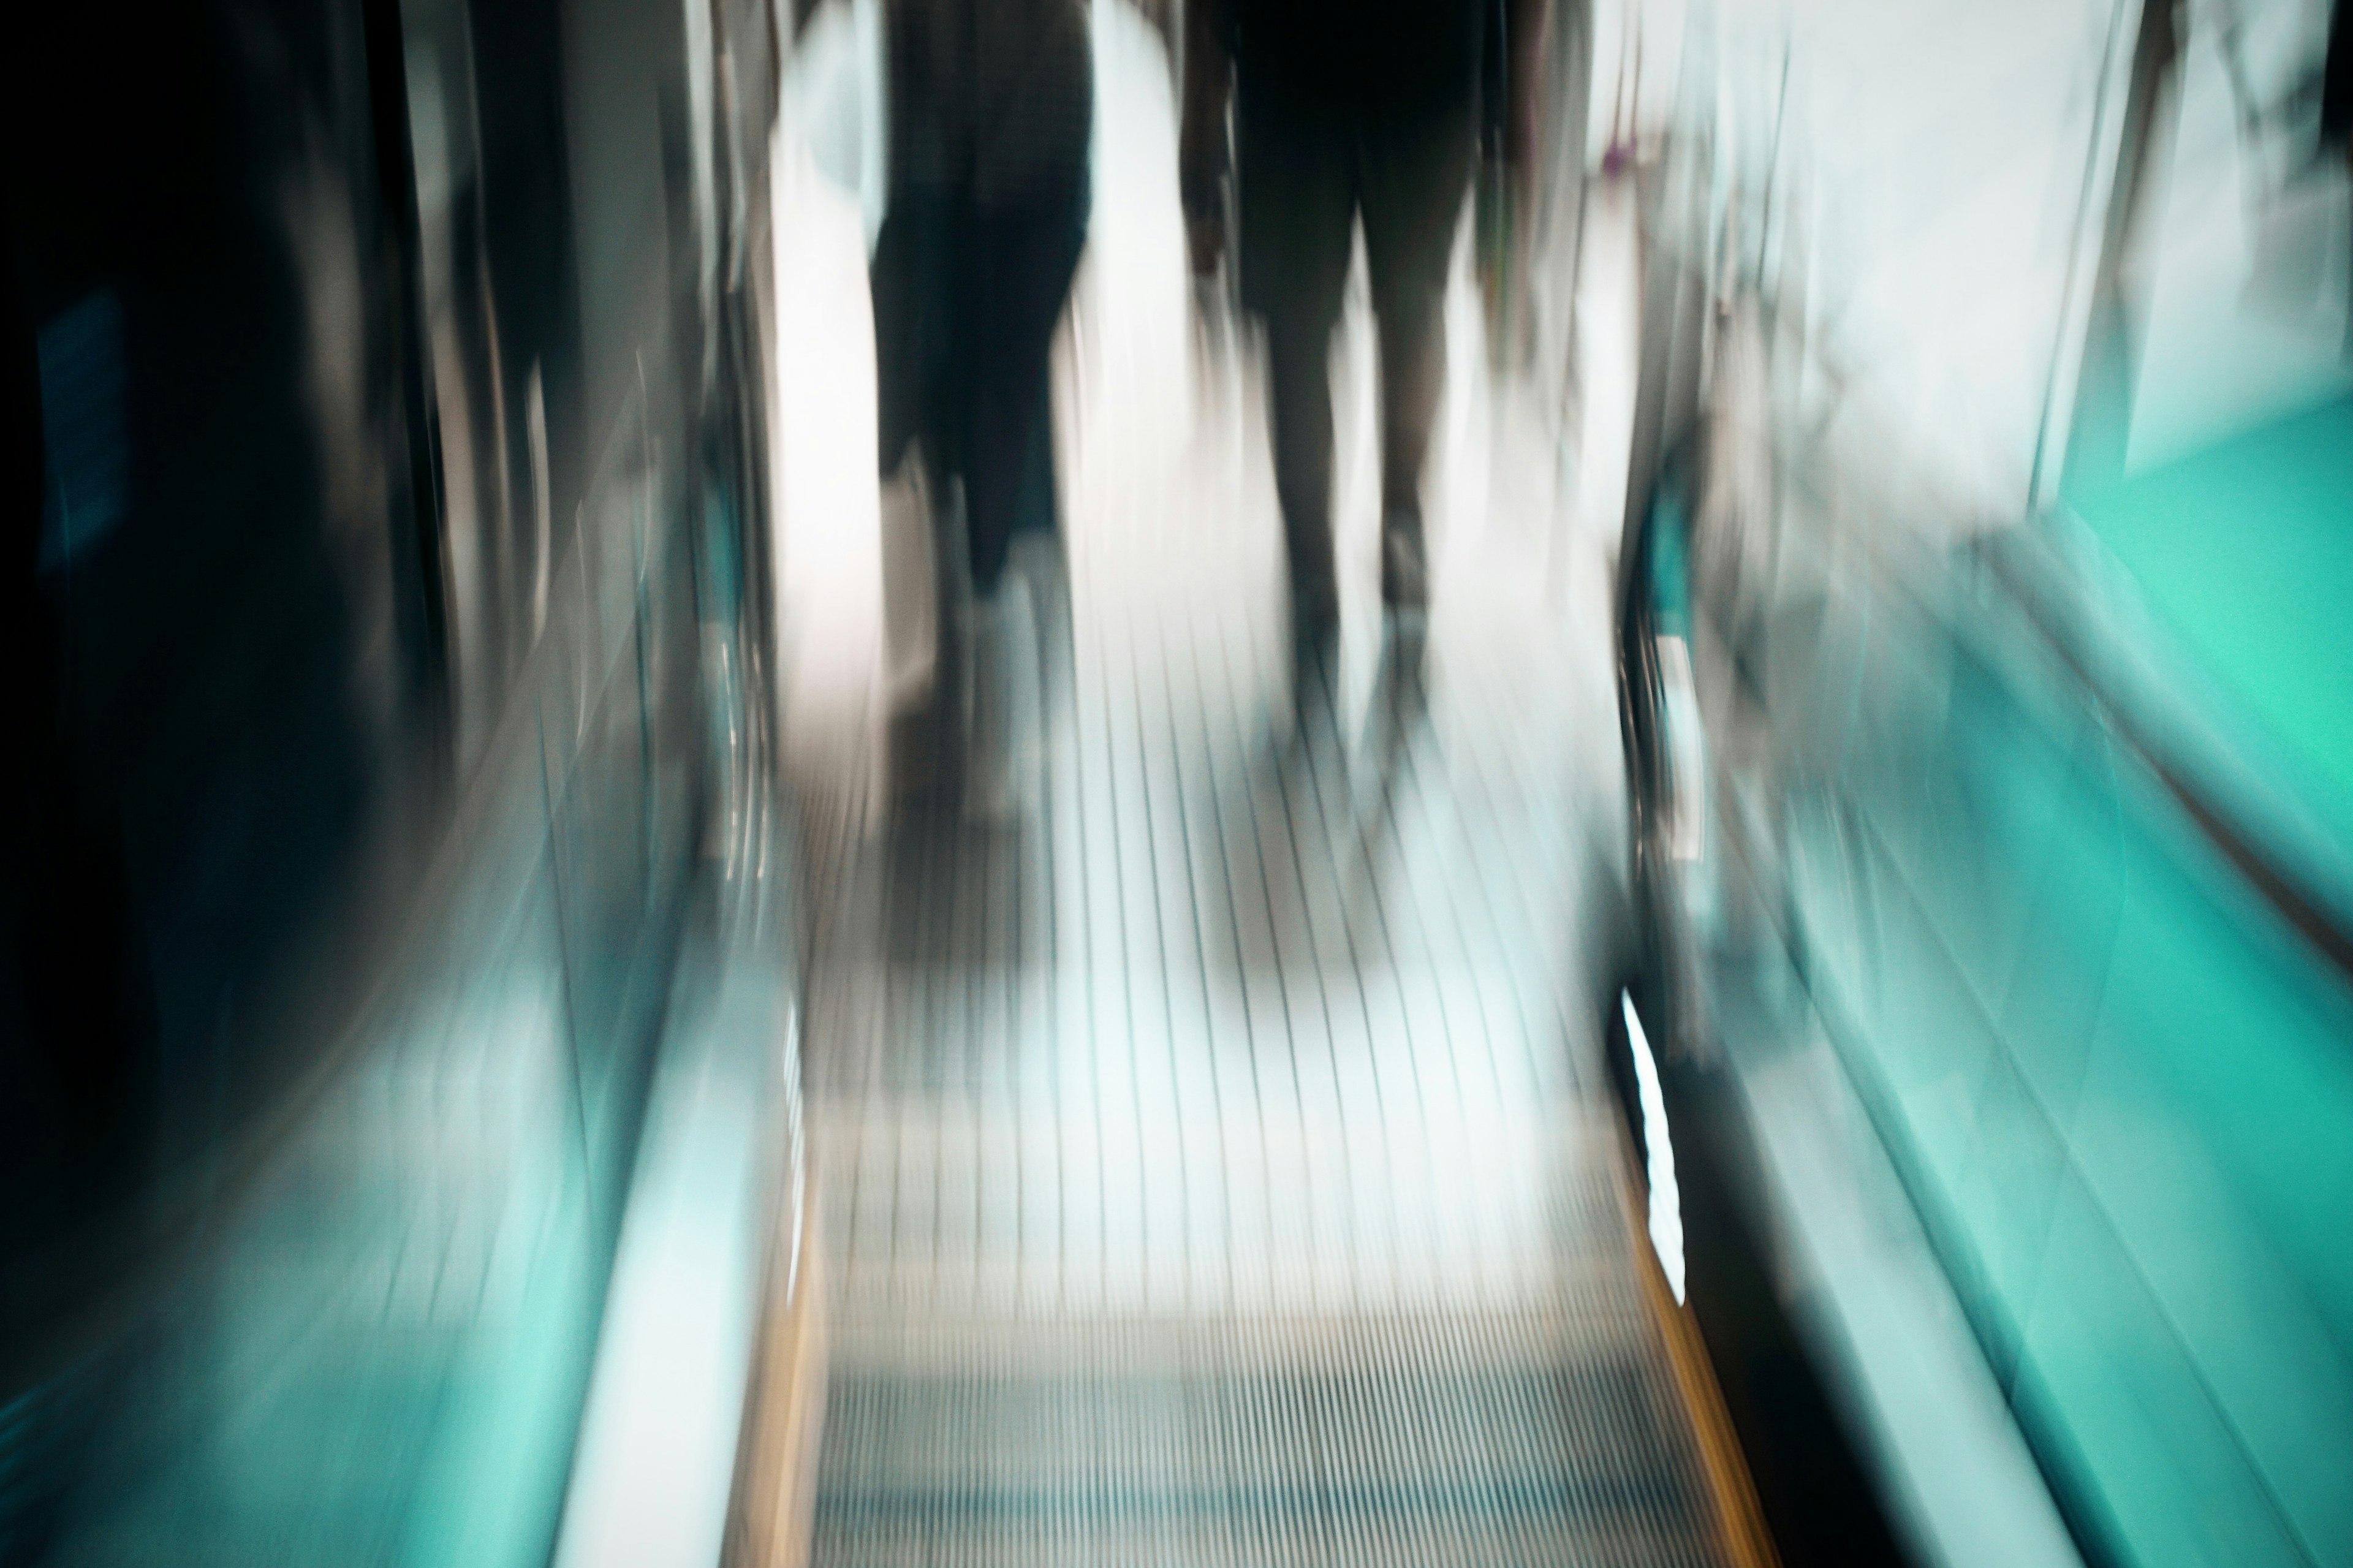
[1210, 1163]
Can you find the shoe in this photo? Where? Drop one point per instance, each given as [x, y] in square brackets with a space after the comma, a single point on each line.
[1405, 568]
[912, 613]
[1037, 559]
[1405, 643]
[1314, 646]
[1001, 758]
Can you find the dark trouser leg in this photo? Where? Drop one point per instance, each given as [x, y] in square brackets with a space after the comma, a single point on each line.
[1413, 373]
[1295, 185]
[1299, 406]
[1414, 176]
[912, 270]
[1022, 261]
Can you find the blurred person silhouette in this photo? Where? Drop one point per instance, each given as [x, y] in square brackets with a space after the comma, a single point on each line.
[77, 1046]
[992, 107]
[1349, 111]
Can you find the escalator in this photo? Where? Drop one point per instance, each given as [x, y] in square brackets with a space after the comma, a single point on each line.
[1957, 898]
[1891, 1111]
[1212, 1164]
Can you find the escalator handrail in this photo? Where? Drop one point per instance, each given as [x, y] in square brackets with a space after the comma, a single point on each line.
[2294, 898]
[2301, 898]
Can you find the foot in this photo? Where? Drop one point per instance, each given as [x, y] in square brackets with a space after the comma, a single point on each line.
[1404, 570]
[1405, 638]
[1314, 644]
[911, 610]
[1002, 757]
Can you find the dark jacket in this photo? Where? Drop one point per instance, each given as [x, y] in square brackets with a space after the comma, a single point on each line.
[1363, 53]
[991, 100]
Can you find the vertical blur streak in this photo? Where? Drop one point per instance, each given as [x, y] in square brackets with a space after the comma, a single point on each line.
[2030, 857]
[1115, 532]
[385, 469]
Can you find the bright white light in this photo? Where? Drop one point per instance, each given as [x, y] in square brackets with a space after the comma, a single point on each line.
[1666, 1202]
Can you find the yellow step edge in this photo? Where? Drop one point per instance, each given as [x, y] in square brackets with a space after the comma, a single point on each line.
[774, 1514]
[1739, 1519]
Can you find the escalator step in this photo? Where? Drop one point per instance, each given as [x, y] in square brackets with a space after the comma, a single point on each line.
[1522, 1438]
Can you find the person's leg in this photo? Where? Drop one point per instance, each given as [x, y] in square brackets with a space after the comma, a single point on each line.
[1018, 279]
[910, 283]
[1295, 209]
[1414, 176]
[1020, 273]
[905, 280]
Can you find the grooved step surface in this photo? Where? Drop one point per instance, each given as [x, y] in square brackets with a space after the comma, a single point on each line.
[1208, 1159]
[1496, 1437]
